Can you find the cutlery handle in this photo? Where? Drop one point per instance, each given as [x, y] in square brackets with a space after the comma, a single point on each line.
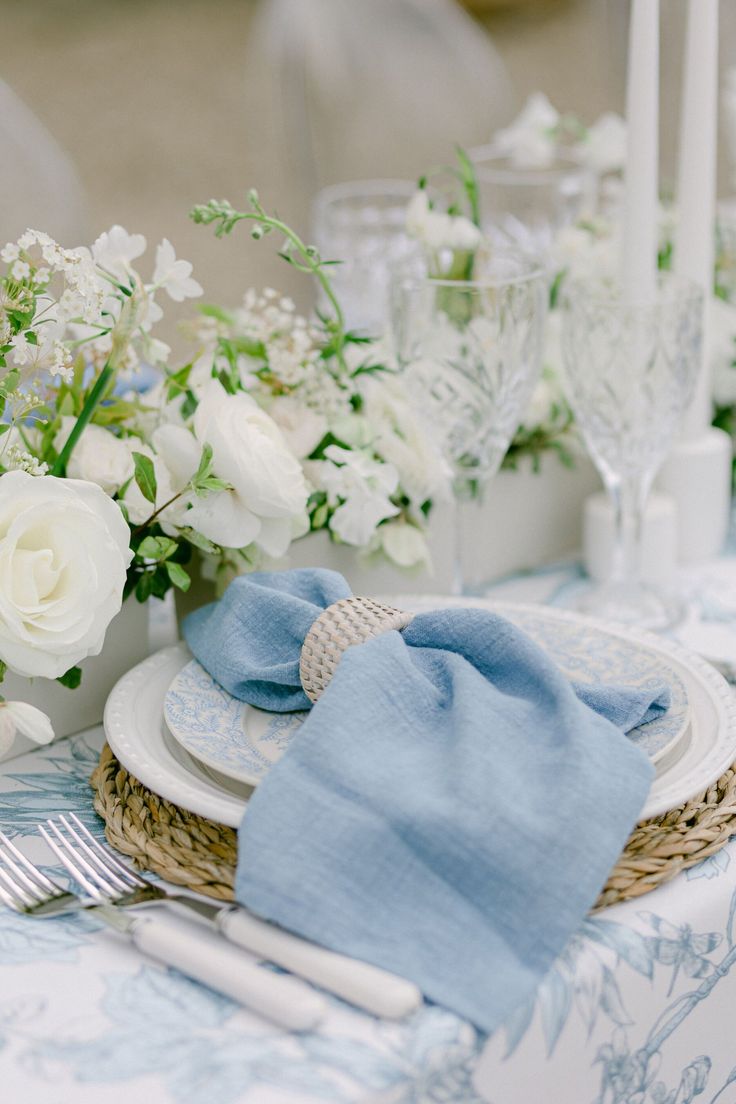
[206, 957]
[366, 986]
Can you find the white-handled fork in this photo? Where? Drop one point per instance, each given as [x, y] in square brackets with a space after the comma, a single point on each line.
[191, 949]
[103, 876]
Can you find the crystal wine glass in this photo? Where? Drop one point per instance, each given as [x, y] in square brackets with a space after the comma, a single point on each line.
[629, 373]
[363, 222]
[525, 207]
[471, 353]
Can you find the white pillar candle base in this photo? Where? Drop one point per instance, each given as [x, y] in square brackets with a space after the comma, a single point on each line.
[659, 539]
[697, 474]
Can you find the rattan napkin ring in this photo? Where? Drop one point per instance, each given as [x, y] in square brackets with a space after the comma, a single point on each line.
[343, 624]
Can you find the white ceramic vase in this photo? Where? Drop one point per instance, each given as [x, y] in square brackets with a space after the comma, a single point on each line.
[126, 643]
[526, 519]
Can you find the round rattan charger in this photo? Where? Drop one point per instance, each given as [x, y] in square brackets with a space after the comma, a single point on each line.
[192, 851]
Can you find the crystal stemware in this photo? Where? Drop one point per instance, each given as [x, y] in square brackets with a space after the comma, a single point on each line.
[471, 354]
[525, 207]
[363, 222]
[629, 373]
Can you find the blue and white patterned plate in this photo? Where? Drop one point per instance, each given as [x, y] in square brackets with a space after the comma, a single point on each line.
[238, 740]
[242, 742]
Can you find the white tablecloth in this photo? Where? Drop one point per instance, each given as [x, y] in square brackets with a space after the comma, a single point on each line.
[639, 1009]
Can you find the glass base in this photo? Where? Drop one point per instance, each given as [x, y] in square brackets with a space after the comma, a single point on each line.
[636, 604]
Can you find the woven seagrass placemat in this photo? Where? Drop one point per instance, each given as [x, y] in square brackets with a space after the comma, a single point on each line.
[192, 851]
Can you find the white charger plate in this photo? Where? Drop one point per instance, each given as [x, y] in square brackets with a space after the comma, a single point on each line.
[243, 742]
[139, 736]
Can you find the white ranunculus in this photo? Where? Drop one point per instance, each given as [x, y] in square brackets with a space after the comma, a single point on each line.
[64, 551]
[20, 718]
[302, 428]
[267, 485]
[99, 456]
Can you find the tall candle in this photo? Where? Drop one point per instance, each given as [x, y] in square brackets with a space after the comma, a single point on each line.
[639, 245]
[696, 181]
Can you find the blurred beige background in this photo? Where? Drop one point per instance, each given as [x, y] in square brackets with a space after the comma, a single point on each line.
[163, 103]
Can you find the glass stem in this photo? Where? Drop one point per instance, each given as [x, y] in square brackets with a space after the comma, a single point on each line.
[628, 500]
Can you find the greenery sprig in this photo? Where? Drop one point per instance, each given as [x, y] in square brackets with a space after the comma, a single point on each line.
[221, 214]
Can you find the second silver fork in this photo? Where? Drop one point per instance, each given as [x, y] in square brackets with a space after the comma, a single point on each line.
[103, 876]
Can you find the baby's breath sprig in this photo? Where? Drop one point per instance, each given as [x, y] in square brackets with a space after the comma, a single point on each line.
[305, 258]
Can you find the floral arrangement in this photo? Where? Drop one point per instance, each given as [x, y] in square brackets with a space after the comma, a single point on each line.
[540, 133]
[276, 426]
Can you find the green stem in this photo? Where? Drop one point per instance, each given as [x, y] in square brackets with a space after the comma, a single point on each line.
[311, 265]
[149, 520]
[91, 403]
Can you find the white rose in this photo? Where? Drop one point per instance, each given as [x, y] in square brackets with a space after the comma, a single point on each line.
[63, 558]
[99, 456]
[267, 485]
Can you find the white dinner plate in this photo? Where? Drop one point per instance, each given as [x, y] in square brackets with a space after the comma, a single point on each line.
[243, 742]
[139, 736]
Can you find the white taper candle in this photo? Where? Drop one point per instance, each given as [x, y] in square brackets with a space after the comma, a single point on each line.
[696, 181]
[639, 243]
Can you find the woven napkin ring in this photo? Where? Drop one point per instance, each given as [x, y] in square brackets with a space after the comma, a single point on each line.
[347, 622]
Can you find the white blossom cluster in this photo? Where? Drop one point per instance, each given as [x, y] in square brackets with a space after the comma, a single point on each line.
[370, 467]
[534, 139]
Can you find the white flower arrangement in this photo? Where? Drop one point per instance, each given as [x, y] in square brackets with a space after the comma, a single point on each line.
[539, 133]
[277, 426]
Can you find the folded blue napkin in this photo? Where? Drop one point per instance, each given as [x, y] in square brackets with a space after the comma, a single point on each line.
[449, 810]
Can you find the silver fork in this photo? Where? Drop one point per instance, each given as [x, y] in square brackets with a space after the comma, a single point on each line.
[194, 951]
[103, 876]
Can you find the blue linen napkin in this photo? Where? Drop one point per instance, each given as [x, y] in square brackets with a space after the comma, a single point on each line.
[449, 810]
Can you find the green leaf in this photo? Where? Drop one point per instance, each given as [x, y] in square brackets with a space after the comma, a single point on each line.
[470, 183]
[72, 678]
[144, 587]
[156, 548]
[160, 583]
[3, 669]
[10, 381]
[145, 476]
[212, 311]
[319, 517]
[178, 576]
[201, 542]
